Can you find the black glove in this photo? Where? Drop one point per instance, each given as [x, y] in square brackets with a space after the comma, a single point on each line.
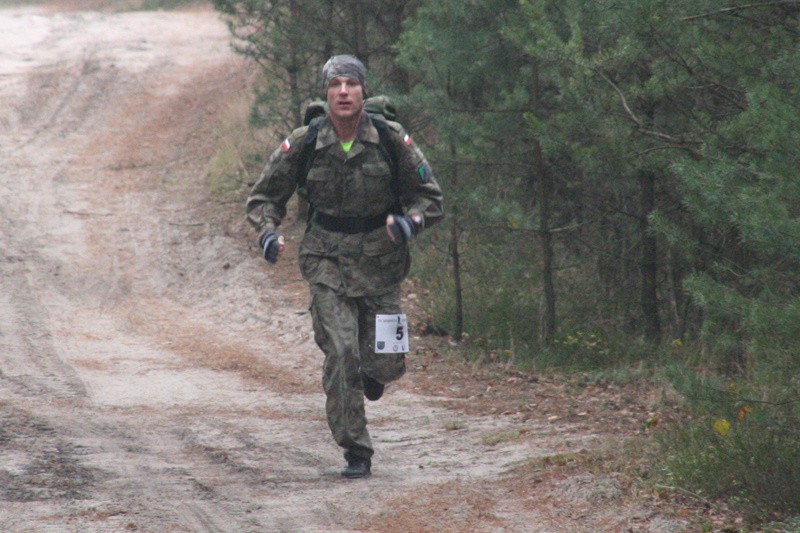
[270, 247]
[403, 228]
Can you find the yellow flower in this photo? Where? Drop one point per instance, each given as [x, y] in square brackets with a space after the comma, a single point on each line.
[722, 426]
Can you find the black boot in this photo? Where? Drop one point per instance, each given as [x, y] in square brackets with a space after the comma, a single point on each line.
[373, 389]
[357, 467]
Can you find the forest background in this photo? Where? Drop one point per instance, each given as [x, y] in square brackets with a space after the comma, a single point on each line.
[621, 194]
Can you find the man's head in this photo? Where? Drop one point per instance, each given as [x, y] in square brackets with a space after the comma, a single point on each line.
[344, 79]
[344, 66]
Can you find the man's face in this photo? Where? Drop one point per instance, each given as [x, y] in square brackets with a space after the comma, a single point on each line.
[345, 98]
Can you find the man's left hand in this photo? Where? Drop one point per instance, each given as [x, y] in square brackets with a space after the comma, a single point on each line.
[402, 228]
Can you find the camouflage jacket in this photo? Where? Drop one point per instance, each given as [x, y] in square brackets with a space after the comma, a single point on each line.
[346, 185]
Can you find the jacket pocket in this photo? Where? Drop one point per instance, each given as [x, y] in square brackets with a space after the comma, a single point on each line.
[321, 187]
[318, 261]
[377, 243]
[383, 262]
[377, 180]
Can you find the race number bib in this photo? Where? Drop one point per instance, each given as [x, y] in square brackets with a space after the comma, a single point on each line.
[391, 334]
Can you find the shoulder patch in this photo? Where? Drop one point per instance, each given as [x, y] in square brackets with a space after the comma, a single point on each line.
[424, 171]
[407, 139]
[286, 145]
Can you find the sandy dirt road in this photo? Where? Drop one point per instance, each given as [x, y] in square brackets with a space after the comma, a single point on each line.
[155, 374]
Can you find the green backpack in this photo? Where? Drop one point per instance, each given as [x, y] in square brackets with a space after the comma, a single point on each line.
[374, 105]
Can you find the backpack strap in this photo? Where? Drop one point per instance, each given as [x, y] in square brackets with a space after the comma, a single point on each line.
[307, 153]
[389, 152]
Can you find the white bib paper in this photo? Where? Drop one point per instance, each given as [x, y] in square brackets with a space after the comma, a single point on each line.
[391, 334]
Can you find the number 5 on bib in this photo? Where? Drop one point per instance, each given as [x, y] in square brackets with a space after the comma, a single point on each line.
[391, 334]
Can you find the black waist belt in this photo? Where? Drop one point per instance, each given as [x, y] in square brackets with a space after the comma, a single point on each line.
[350, 224]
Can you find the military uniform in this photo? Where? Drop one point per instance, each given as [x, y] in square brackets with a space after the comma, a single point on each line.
[352, 266]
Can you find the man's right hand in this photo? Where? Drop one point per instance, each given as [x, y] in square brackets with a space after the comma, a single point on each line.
[272, 245]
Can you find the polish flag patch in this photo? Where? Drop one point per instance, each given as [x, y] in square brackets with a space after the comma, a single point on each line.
[407, 139]
[286, 145]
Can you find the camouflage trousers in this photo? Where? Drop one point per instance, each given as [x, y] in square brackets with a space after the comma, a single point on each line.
[344, 328]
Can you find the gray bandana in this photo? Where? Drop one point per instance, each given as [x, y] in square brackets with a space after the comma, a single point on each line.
[344, 66]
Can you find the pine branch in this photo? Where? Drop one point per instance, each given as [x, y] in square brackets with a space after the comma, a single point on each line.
[640, 125]
[734, 9]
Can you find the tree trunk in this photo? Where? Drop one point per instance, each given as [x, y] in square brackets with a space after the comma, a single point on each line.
[678, 309]
[455, 255]
[548, 319]
[294, 71]
[359, 18]
[458, 330]
[327, 47]
[649, 259]
[546, 239]
[396, 16]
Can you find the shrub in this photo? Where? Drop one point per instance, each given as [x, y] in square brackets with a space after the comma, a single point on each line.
[739, 447]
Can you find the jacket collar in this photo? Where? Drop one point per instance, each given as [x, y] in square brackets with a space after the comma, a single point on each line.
[367, 133]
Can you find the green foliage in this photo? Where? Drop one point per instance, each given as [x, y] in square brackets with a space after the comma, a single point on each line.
[742, 445]
[754, 465]
[290, 40]
[740, 191]
[274, 34]
[584, 350]
[506, 320]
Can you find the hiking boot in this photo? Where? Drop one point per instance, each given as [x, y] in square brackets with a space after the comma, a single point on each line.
[357, 467]
[373, 389]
